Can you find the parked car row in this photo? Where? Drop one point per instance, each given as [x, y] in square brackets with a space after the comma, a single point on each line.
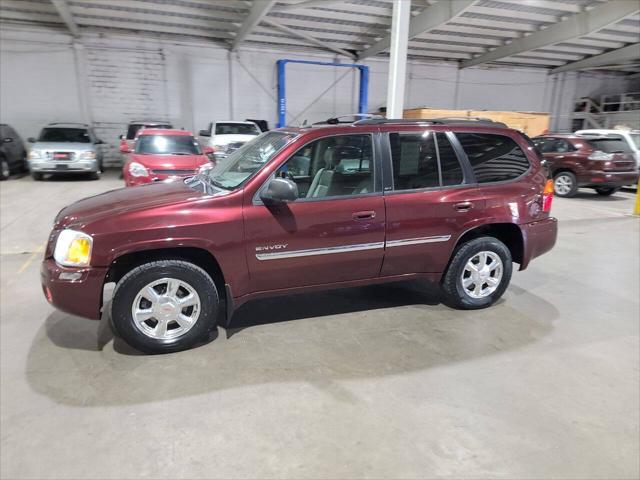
[604, 160]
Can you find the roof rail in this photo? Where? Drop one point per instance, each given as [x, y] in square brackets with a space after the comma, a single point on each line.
[433, 121]
[349, 119]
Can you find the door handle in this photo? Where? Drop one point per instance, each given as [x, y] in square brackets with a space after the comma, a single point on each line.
[364, 215]
[463, 206]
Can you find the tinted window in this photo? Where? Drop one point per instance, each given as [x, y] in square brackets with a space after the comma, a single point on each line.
[167, 145]
[493, 158]
[332, 167]
[423, 160]
[75, 135]
[236, 129]
[134, 127]
[610, 145]
[449, 164]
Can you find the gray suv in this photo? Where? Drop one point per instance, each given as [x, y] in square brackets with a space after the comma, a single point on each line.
[65, 148]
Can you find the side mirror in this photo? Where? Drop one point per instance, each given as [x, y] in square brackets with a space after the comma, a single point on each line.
[204, 133]
[208, 150]
[279, 190]
[31, 140]
[124, 148]
[121, 137]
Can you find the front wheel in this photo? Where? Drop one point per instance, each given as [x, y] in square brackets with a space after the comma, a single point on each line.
[565, 184]
[5, 171]
[165, 306]
[478, 274]
[606, 191]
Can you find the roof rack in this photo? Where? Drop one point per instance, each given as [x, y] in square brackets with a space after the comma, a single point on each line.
[349, 119]
[433, 121]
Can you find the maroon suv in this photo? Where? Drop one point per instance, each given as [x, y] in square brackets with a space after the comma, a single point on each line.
[604, 163]
[299, 209]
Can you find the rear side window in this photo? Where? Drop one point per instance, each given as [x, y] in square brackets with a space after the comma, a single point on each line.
[494, 158]
[610, 145]
[423, 160]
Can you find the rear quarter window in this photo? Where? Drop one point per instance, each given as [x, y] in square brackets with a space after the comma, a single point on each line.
[493, 158]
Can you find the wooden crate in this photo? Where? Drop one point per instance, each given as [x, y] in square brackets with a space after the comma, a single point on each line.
[531, 123]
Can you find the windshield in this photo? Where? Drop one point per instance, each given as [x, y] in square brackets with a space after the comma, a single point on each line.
[636, 139]
[236, 129]
[242, 164]
[75, 135]
[610, 145]
[167, 145]
[134, 127]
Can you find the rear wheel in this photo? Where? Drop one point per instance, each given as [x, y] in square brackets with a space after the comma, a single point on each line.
[5, 171]
[165, 306]
[478, 274]
[565, 184]
[606, 191]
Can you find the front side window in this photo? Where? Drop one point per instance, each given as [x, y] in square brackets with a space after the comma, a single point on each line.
[72, 135]
[494, 158]
[423, 160]
[245, 162]
[167, 145]
[332, 167]
[236, 129]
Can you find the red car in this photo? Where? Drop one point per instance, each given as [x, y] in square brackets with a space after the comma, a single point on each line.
[604, 163]
[299, 209]
[162, 154]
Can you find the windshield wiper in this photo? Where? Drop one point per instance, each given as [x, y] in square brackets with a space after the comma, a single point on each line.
[180, 153]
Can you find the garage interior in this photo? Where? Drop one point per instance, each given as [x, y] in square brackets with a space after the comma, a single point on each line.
[381, 381]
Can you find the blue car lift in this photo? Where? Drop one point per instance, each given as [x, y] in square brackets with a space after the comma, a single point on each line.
[282, 102]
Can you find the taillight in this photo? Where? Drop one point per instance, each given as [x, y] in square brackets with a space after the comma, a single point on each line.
[547, 196]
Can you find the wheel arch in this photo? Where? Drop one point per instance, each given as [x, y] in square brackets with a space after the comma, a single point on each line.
[508, 233]
[558, 170]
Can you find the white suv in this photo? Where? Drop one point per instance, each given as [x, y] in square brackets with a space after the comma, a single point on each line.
[227, 136]
[632, 137]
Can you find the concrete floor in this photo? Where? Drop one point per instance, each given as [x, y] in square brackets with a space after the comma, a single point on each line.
[379, 382]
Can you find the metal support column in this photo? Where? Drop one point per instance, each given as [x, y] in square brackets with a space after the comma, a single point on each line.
[398, 59]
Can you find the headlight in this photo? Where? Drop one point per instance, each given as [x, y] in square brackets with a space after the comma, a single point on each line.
[88, 155]
[73, 249]
[138, 170]
[35, 155]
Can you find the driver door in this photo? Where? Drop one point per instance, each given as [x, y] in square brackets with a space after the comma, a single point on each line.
[334, 232]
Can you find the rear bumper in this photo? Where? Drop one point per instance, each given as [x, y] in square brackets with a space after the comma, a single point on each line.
[79, 294]
[538, 238]
[608, 179]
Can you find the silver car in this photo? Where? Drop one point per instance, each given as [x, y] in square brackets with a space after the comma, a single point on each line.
[65, 148]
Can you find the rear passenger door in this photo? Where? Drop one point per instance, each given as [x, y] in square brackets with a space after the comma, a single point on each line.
[430, 198]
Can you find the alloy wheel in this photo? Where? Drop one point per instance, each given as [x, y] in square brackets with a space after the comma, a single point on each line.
[562, 184]
[166, 309]
[482, 274]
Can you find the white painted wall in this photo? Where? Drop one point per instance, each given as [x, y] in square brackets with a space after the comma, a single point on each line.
[121, 78]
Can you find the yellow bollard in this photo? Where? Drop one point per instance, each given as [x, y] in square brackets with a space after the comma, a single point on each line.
[636, 210]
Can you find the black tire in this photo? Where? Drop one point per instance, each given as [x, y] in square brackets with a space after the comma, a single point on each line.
[95, 175]
[37, 176]
[133, 282]
[572, 183]
[606, 191]
[5, 170]
[456, 295]
[24, 164]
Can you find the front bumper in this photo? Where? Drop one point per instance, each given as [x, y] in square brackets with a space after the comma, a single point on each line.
[538, 238]
[608, 179]
[80, 293]
[79, 166]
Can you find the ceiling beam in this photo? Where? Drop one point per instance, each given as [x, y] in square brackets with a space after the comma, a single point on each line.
[67, 17]
[614, 57]
[259, 9]
[308, 38]
[309, 4]
[430, 18]
[574, 27]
